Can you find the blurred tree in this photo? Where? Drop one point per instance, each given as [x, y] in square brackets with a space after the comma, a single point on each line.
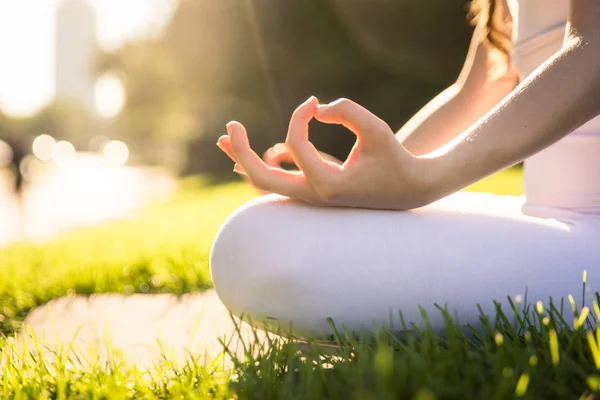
[156, 97]
[64, 121]
[256, 60]
[425, 39]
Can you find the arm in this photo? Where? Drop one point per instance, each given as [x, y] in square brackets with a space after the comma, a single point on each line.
[476, 91]
[485, 79]
[557, 98]
[380, 173]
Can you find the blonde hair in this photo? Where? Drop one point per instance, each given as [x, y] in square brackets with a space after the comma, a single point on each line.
[497, 25]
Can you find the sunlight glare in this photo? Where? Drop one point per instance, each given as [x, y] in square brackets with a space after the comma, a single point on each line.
[26, 45]
[119, 21]
[27, 30]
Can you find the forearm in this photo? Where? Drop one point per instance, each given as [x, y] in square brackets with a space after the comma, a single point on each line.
[561, 95]
[482, 84]
[448, 115]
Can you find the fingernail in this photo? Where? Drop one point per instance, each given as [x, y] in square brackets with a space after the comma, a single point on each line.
[229, 128]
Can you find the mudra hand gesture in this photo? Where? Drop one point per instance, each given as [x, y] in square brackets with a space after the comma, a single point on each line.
[379, 172]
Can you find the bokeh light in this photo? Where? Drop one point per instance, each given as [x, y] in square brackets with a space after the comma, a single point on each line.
[109, 95]
[63, 153]
[42, 147]
[31, 167]
[6, 154]
[116, 153]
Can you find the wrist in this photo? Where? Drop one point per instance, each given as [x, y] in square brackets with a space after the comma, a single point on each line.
[433, 184]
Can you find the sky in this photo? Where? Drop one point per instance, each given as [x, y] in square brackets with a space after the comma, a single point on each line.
[27, 43]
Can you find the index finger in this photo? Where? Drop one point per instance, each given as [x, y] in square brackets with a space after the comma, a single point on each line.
[304, 153]
[262, 176]
[354, 117]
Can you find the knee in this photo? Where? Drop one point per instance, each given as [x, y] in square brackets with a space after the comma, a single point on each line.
[246, 259]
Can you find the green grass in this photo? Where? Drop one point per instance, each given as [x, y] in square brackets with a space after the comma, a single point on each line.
[509, 181]
[165, 249]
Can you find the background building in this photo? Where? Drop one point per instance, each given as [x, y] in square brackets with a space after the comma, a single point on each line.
[75, 51]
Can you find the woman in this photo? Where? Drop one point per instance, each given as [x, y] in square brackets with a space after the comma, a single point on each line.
[344, 247]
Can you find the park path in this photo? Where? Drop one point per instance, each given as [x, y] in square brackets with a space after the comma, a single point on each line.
[134, 325]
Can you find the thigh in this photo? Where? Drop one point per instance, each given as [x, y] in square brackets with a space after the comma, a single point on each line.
[277, 259]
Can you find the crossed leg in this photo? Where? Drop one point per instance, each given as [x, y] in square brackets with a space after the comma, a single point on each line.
[278, 259]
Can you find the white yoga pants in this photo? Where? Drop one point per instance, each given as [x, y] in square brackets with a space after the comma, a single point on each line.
[282, 262]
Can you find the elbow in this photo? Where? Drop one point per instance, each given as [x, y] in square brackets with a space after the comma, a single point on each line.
[588, 49]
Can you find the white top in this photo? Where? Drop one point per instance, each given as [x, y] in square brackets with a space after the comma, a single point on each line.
[538, 31]
[565, 176]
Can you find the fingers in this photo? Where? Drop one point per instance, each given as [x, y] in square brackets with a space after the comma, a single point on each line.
[364, 124]
[261, 175]
[304, 153]
[224, 143]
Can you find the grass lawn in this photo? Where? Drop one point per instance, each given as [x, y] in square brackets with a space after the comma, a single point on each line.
[165, 248]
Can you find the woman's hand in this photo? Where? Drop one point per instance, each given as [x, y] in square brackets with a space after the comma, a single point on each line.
[379, 172]
[274, 157]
